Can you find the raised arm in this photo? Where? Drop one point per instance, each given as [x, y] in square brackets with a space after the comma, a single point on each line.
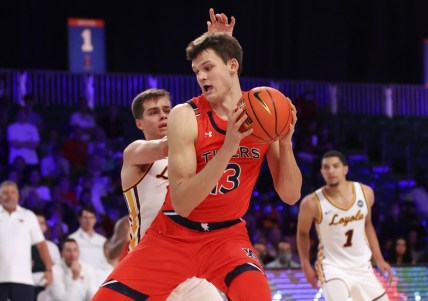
[308, 213]
[188, 188]
[383, 266]
[220, 23]
[286, 175]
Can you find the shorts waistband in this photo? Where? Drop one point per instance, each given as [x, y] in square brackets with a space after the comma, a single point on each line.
[203, 227]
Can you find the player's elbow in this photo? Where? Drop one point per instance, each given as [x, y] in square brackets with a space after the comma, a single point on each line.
[180, 210]
[290, 197]
[180, 207]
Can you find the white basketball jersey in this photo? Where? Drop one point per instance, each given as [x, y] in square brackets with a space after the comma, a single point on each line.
[145, 198]
[343, 240]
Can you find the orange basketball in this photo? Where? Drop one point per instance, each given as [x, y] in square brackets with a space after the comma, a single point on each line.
[269, 114]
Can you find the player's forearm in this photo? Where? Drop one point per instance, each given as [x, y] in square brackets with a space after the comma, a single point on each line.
[188, 193]
[288, 182]
[303, 247]
[374, 244]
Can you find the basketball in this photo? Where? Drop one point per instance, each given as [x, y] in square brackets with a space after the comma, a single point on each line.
[269, 114]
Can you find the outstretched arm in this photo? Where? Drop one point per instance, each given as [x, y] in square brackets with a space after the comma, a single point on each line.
[220, 23]
[308, 213]
[383, 266]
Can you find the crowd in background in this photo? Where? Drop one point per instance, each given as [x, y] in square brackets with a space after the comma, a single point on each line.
[65, 160]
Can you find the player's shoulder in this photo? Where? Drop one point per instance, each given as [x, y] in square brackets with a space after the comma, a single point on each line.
[182, 109]
[309, 201]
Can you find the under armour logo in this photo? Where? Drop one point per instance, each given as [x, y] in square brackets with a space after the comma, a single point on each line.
[208, 134]
[205, 226]
[250, 253]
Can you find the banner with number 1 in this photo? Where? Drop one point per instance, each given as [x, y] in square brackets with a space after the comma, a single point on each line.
[86, 45]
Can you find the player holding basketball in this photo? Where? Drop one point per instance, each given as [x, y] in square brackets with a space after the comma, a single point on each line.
[144, 174]
[341, 211]
[212, 171]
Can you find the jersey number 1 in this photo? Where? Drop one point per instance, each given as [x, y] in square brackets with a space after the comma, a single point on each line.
[348, 234]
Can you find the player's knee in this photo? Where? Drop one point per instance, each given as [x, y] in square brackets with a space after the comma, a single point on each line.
[249, 286]
[195, 289]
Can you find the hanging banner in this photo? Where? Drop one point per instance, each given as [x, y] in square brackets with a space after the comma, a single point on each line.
[86, 45]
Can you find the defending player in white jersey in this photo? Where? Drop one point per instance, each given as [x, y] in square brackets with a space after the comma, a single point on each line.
[341, 212]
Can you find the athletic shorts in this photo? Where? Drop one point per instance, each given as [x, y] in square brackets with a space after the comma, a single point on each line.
[360, 283]
[170, 253]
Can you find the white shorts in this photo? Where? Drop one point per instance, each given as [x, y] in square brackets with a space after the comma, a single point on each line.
[360, 284]
[196, 289]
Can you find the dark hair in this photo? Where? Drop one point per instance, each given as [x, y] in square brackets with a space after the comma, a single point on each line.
[407, 257]
[150, 94]
[66, 240]
[88, 208]
[337, 154]
[224, 45]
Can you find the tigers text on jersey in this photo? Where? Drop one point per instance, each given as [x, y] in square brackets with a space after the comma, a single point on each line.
[145, 198]
[230, 198]
[343, 241]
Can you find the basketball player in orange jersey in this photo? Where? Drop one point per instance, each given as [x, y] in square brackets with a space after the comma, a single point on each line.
[212, 170]
[144, 178]
[341, 211]
[144, 172]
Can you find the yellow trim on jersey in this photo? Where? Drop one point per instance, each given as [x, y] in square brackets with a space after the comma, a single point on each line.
[354, 194]
[365, 198]
[149, 166]
[319, 210]
[132, 207]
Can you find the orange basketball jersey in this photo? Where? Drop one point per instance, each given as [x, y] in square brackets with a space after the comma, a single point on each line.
[230, 198]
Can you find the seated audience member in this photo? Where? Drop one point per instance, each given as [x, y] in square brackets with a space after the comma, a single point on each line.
[54, 165]
[73, 280]
[262, 253]
[400, 253]
[39, 267]
[23, 138]
[83, 119]
[284, 257]
[112, 124]
[419, 196]
[34, 183]
[91, 244]
[32, 116]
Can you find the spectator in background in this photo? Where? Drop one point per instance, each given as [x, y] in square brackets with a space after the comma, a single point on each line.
[35, 184]
[284, 257]
[83, 119]
[115, 246]
[75, 150]
[400, 253]
[392, 226]
[73, 280]
[23, 138]
[112, 124]
[419, 196]
[18, 170]
[54, 165]
[98, 143]
[91, 244]
[50, 140]
[262, 253]
[39, 267]
[18, 232]
[33, 117]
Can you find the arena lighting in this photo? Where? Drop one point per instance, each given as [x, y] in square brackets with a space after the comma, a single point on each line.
[410, 283]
